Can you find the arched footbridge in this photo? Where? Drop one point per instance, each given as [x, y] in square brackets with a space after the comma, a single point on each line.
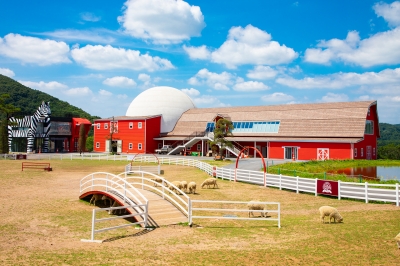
[133, 188]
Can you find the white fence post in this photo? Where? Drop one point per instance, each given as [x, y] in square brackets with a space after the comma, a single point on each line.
[316, 186]
[280, 182]
[93, 223]
[397, 195]
[297, 184]
[339, 190]
[366, 192]
[190, 212]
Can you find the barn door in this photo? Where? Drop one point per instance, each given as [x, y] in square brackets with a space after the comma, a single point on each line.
[322, 154]
[107, 146]
[368, 153]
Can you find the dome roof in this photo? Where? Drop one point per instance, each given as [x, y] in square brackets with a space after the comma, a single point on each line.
[169, 102]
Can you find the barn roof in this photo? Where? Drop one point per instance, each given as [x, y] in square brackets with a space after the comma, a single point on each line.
[317, 120]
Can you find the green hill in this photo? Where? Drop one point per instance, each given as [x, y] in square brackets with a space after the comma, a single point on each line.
[28, 100]
[390, 134]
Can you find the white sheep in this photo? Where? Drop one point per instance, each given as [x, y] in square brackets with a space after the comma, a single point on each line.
[184, 185]
[94, 198]
[397, 238]
[256, 205]
[176, 184]
[331, 212]
[192, 187]
[158, 180]
[208, 182]
[119, 211]
[105, 199]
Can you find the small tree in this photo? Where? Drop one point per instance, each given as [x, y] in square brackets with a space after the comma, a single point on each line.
[6, 111]
[82, 138]
[89, 143]
[223, 129]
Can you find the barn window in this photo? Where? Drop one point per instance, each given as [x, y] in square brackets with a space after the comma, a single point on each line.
[369, 127]
[140, 125]
[373, 151]
[355, 152]
[130, 146]
[198, 147]
[130, 125]
[362, 152]
[105, 126]
[97, 145]
[98, 125]
[139, 146]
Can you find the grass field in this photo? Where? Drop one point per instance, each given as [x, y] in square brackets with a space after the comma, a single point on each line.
[43, 221]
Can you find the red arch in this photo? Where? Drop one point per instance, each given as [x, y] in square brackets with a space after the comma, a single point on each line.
[259, 153]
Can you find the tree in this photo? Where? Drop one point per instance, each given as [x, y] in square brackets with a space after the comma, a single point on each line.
[6, 111]
[89, 143]
[113, 129]
[223, 129]
[82, 139]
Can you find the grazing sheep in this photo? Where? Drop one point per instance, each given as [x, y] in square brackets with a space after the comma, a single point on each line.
[184, 185]
[331, 212]
[105, 199]
[119, 211]
[192, 187]
[158, 180]
[208, 182]
[256, 205]
[94, 198]
[397, 238]
[176, 184]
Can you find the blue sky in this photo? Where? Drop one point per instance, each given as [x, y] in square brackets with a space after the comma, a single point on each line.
[99, 55]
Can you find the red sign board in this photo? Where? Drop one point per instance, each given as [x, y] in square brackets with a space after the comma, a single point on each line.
[327, 187]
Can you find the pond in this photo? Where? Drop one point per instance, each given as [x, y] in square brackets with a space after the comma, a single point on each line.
[373, 172]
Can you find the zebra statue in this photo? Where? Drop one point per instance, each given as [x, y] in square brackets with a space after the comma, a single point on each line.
[27, 127]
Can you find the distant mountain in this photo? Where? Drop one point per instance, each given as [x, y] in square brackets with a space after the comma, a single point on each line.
[390, 134]
[28, 100]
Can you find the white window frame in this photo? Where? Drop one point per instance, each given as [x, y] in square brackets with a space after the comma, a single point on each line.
[130, 125]
[355, 152]
[140, 146]
[199, 147]
[373, 151]
[114, 126]
[362, 152]
[97, 145]
[130, 146]
[139, 124]
[98, 125]
[105, 125]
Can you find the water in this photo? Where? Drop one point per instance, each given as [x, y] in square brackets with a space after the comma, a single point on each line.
[373, 172]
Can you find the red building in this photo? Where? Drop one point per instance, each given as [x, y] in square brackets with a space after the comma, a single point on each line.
[126, 134]
[318, 131]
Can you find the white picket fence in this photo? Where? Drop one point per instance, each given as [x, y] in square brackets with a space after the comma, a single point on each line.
[362, 191]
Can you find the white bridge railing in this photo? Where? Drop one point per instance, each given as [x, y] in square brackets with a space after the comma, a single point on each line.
[363, 191]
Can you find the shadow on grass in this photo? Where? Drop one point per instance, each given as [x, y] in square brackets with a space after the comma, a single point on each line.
[140, 233]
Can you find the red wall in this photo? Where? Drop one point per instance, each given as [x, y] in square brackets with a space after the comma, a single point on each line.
[153, 128]
[369, 139]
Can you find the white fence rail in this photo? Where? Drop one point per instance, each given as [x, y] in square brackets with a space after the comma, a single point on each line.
[363, 191]
[237, 212]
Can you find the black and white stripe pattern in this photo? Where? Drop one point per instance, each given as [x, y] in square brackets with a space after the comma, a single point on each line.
[27, 127]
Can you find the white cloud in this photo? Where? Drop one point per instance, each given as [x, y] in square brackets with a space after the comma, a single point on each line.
[251, 45]
[389, 12]
[277, 97]
[332, 97]
[83, 91]
[87, 16]
[144, 77]
[44, 86]
[94, 35]
[250, 86]
[7, 72]
[213, 80]
[119, 81]
[34, 50]
[379, 49]
[262, 72]
[191, 92]
[107, 57]
[342, 80]
[208, 101]
[200, 52]
[162, 21]
[105, 93]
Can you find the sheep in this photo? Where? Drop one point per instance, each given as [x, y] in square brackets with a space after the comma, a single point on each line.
[105, 199]
[255, 205]
[331, 212]
[192, 187]
[397, 238]
[184, 185]
[158, 180]
[176, 184]
[119, 211]
[208, 182]
[94, 198]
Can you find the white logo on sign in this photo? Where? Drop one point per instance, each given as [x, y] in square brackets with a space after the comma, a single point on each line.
[327, 188]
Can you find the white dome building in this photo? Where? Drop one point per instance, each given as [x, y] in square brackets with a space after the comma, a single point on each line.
[169, 102]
